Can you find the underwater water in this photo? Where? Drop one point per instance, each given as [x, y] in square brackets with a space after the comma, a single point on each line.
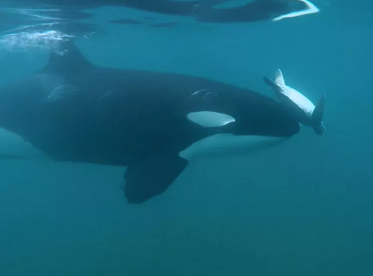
[301, 208]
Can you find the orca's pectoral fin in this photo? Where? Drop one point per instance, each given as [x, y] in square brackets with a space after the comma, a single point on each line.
[148, 177]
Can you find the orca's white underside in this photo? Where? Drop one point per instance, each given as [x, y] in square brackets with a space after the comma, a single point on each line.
[13, 146]
[224, 145]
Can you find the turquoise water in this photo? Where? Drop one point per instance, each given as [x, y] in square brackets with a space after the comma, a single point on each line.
[303, 208]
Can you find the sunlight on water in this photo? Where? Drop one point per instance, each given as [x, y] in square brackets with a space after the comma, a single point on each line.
[22, 41]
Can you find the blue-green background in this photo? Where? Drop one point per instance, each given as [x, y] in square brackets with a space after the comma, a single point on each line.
[303, 208]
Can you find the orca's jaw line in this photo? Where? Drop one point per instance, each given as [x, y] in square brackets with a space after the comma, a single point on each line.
[225, 145]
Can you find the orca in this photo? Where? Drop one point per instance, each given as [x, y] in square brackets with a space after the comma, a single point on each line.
[208, 11]
[152, 123]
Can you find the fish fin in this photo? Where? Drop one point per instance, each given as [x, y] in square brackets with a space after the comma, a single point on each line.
[271, 84]
[152, 176]
[210, 118]
[320, 129]
[317, 116]
[279, 79]
[278, 84]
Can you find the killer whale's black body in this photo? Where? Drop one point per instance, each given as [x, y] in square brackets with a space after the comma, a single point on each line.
[201, 10]
[75, 111]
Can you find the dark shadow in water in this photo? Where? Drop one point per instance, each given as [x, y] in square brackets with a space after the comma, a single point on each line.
[126, 22]
[163, 25]
[201, 10]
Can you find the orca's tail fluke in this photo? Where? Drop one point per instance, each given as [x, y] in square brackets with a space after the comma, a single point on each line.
[317, 116]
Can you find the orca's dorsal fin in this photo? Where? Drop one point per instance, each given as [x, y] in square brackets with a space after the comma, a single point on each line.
[68, 58]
